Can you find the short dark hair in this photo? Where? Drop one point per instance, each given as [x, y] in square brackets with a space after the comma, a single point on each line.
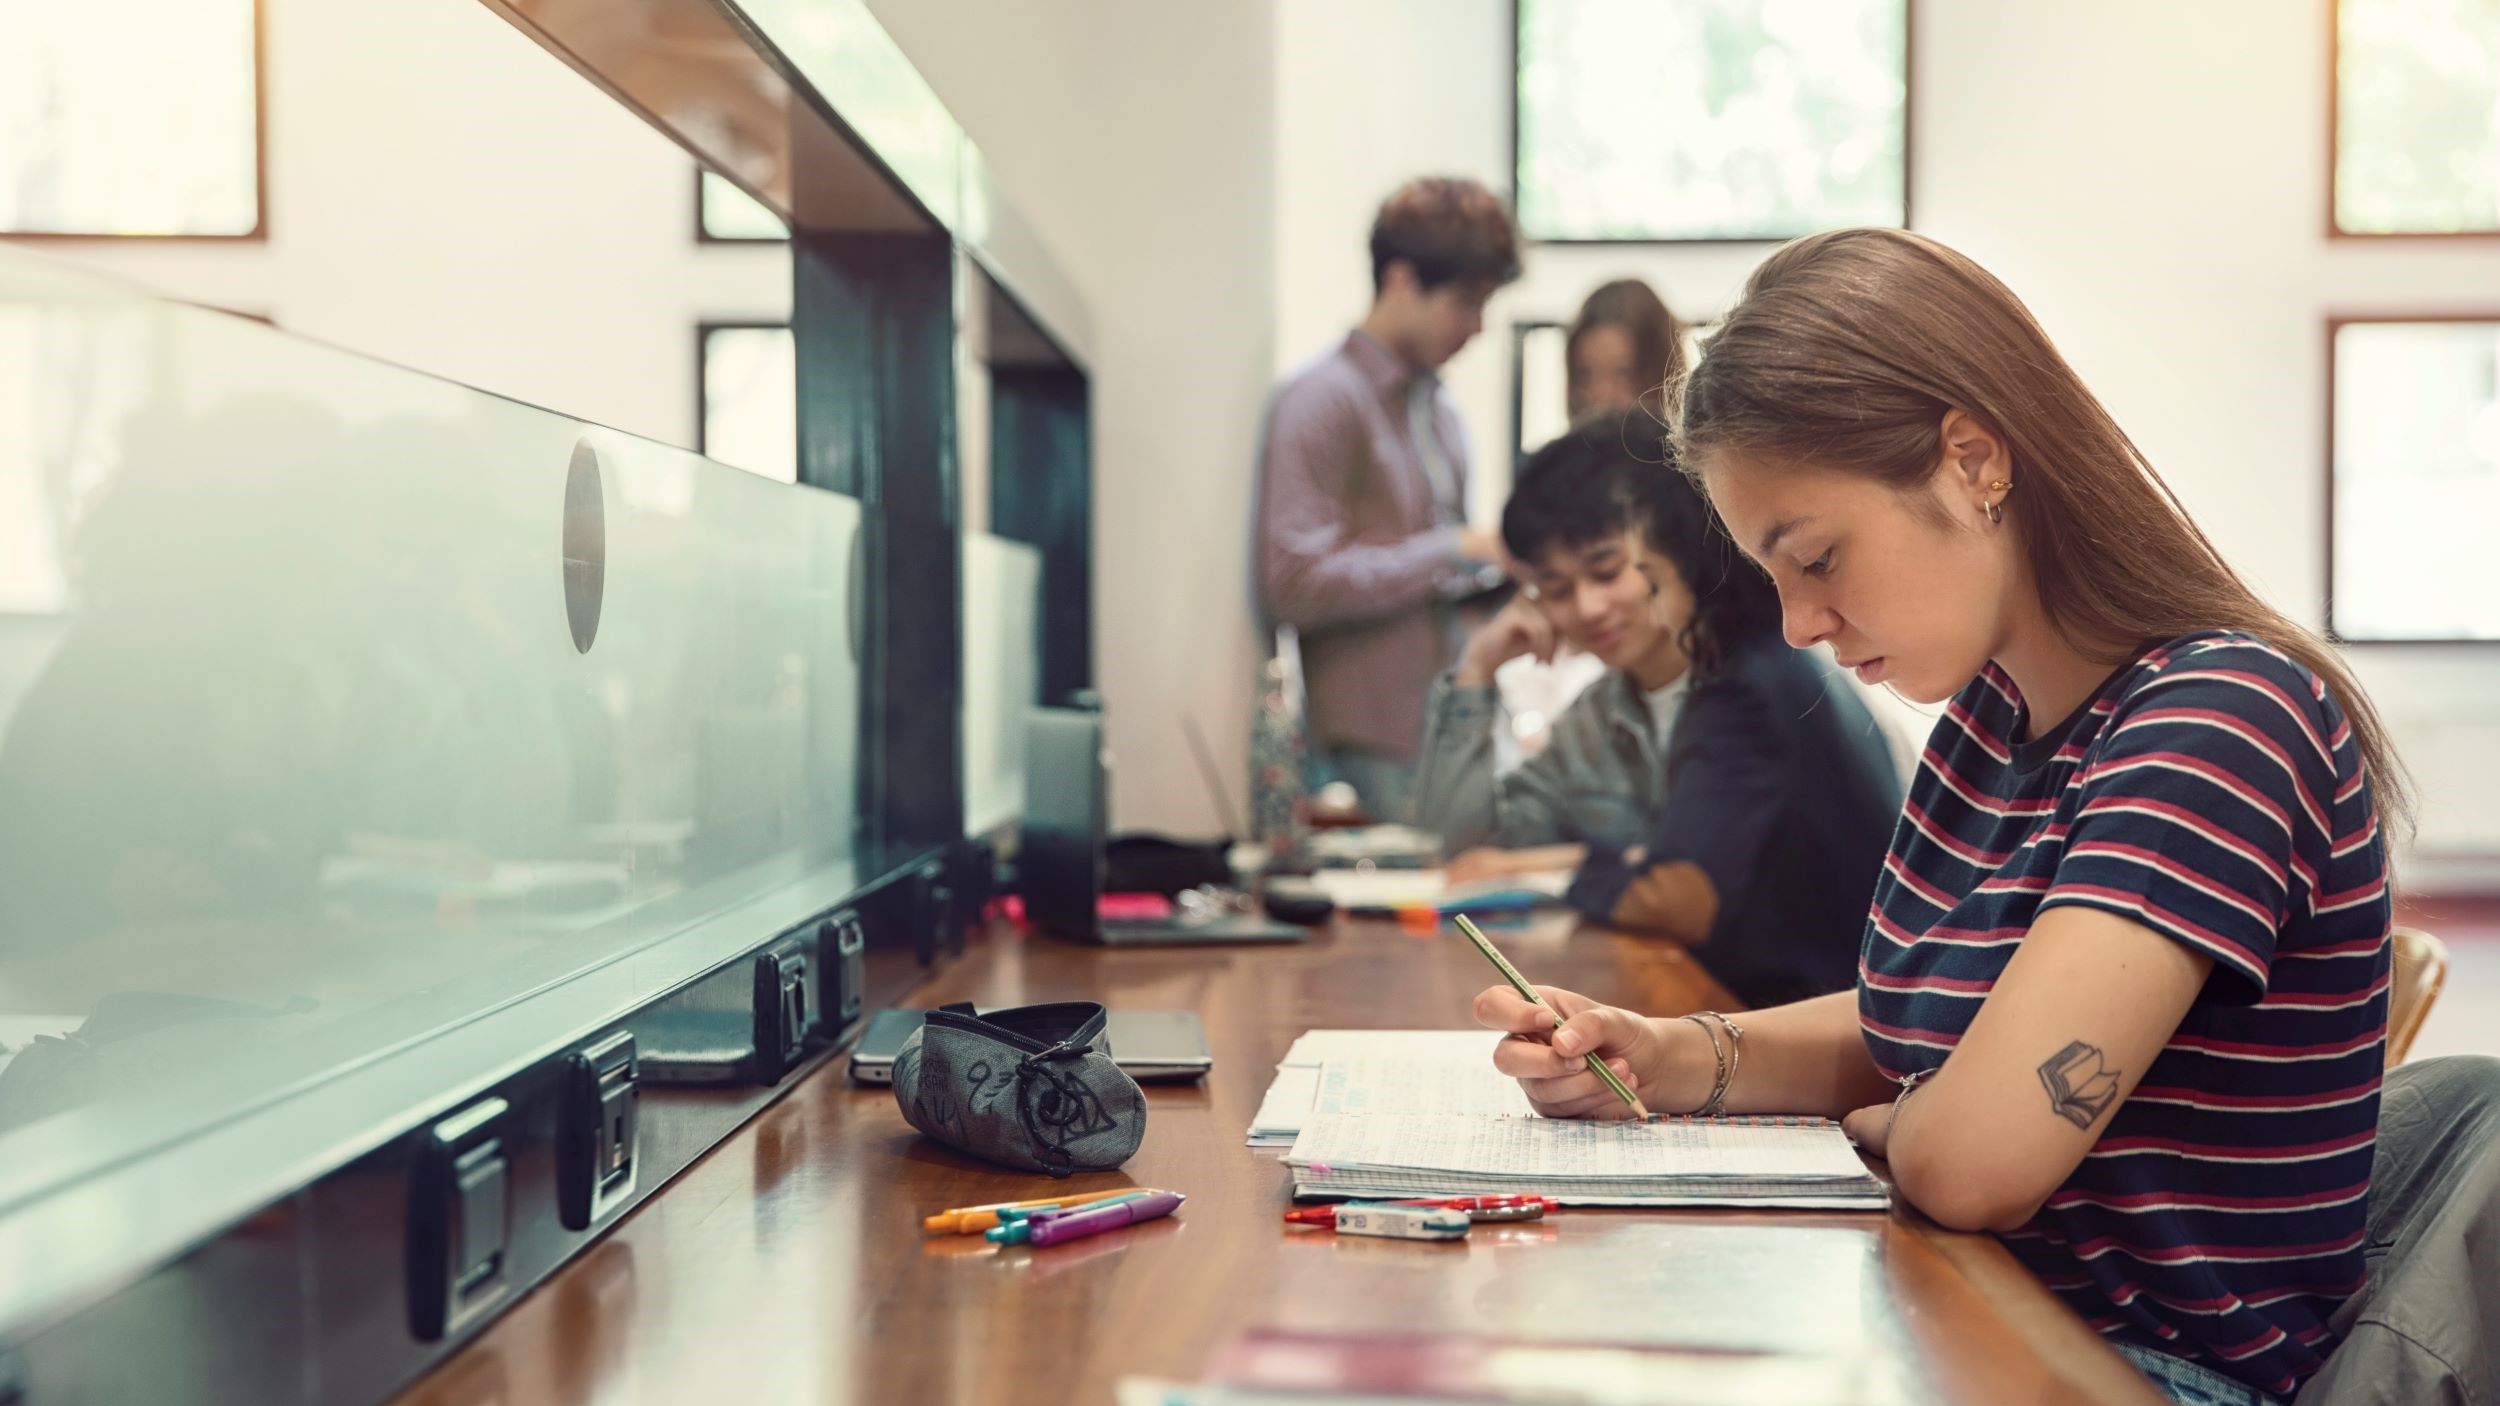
[1448, 230]
[1613, 474]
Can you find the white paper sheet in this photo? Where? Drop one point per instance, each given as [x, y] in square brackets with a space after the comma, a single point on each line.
[1289, 1097]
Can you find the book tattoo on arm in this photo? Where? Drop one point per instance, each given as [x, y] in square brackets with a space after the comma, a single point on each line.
[2080, 1089]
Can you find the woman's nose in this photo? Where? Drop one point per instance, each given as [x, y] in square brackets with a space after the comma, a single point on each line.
[1805, 623]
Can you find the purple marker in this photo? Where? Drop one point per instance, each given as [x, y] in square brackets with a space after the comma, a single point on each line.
[1077, 1224]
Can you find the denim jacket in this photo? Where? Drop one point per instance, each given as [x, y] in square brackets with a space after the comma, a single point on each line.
[1599, 779]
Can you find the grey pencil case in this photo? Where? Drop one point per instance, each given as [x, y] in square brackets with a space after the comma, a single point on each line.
[1031, 1087]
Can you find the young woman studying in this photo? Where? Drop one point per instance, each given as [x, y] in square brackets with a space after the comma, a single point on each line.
[2123, 991]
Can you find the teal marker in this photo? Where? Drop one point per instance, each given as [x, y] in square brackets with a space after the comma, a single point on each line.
[1020, 1230]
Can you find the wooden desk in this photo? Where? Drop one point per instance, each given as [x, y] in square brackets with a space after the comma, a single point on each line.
[788, 1266]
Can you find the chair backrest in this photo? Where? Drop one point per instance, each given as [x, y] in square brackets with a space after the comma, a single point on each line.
[2421, 969]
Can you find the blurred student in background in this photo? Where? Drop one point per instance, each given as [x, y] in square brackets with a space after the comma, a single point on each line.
[1363, 544]
[1622, 348]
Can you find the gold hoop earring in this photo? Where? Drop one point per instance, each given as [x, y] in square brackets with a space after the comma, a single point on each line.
[1996, 506]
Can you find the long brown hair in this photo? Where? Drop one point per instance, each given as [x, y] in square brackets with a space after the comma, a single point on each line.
[1846, 351]
[1657, 340]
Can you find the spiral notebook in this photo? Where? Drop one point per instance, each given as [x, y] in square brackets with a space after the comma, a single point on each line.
[1358, 1144]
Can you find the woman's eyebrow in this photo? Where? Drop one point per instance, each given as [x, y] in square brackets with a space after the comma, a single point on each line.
[1771, 539]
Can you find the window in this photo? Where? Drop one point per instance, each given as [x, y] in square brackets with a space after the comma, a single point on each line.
[748, 399]
[726, 214]
[130, 117]
[2413, 478]
[2416, 144]
[1710, 119]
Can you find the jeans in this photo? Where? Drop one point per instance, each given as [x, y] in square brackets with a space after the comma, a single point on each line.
[1386, 784]
[2192, 1383]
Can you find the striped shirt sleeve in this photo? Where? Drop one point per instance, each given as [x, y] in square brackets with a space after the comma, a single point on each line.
[2203, 812]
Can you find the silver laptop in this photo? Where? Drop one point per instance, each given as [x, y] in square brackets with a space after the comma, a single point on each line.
[1059, 851]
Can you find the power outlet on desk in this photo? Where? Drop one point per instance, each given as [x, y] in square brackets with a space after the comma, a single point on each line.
[842, 962]
[460, 1220]
[596, 1135]
[785, 1005]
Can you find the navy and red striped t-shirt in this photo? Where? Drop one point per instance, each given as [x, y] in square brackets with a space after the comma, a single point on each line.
[2214, 793]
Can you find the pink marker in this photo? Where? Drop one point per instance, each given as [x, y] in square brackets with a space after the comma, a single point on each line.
[1077, 1224]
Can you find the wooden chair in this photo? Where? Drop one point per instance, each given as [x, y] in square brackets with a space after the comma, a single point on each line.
[2421, 969]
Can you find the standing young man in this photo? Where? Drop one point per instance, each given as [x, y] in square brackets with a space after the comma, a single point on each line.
[1363, 542]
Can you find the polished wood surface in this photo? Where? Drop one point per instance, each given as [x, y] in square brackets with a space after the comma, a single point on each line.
[788, 1266]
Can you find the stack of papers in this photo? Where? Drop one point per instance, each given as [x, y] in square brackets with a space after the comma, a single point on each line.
[1671, 1162]
[1448, 1070]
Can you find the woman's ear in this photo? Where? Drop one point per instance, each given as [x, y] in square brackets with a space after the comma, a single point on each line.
[1974, 453]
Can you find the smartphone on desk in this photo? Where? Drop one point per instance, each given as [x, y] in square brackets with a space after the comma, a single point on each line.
[1149, 1046]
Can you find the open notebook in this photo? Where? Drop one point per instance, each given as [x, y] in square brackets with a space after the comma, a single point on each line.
[1385, 1127]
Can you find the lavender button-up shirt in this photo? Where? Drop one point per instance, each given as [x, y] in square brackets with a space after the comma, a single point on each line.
[1352, 550]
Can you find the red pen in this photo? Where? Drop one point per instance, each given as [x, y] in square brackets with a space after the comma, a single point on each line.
[1517, 1207]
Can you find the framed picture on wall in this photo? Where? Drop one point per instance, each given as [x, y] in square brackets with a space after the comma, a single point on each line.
[2413, 477]
[2414, 148]
[1645, 121]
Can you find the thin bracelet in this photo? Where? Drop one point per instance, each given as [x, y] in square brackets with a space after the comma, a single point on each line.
[1728, 1059]
[1727, 1070]
[1909, 1085]
[1718, 1083]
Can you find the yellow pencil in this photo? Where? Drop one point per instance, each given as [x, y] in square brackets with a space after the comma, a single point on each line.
[1520, 984]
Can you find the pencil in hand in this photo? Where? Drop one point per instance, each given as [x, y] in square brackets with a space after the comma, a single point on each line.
[1534, 997]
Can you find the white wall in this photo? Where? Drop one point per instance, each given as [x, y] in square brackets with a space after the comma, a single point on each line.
[2149, 176]
[1139, 138]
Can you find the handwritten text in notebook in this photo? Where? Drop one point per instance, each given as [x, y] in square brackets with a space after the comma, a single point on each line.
[1375, 1086]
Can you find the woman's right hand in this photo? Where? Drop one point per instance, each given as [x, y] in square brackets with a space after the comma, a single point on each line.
[1520, 627]
[1551, 1066]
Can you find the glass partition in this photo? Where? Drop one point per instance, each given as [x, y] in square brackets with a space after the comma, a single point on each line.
[340, 704]
[1002, 588]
